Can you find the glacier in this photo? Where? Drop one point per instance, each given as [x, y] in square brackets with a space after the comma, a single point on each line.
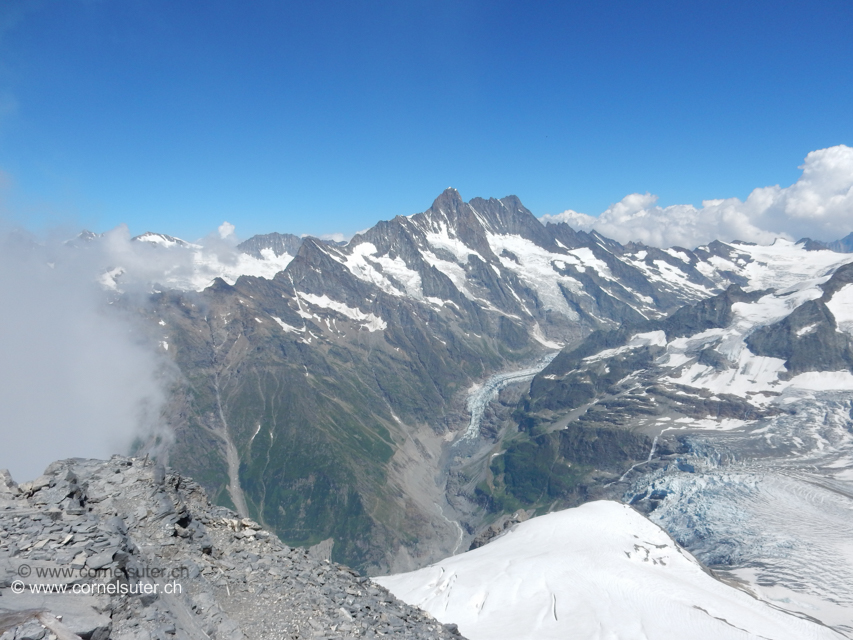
[596, 571]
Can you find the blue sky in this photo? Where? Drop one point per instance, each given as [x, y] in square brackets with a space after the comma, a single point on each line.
[321, 117]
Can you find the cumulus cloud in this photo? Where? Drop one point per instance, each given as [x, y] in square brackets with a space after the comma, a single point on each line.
[819, 205]
[78, 377]
[226, 230]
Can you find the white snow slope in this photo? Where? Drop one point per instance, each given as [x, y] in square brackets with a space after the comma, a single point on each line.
[599, 571]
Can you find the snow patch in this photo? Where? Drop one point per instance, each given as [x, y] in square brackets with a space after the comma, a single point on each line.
[785, 264]
[368, 320]
[361, 263]
[806, 330]
[652, 338]
[287, 328]
[442, 239]
[536, 268]
[841, 306]
[588, 259]
[823, 381]
[539, 336]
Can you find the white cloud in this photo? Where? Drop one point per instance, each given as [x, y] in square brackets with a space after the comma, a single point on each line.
[78, 377]
[819, 205]
[226, 230]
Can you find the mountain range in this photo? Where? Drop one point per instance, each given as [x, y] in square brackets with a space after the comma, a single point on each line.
[441, 377]
[338, 385]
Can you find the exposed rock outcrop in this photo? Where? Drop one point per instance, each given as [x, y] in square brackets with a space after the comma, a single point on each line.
[125, 549]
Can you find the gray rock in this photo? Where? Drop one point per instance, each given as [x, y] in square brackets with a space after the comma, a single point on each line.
[221, 585]
[89, 627]
[158, 474]
[35, 485]
[117, 524]
[7, 485]
[79, 560]
[100, 560]
[32, 630]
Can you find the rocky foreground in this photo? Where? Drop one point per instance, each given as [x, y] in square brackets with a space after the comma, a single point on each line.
[124, 549]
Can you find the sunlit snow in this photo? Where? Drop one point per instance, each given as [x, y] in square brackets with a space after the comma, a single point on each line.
[597, 571]
[841, 306]
[651, 338]
[368, 320]
[784, 264]
[360, 263]
[535, 267]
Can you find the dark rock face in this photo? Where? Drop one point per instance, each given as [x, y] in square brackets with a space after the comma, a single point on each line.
[496, 529]
[568, 382]
[603, 448]
[584, 422]
[557, 469]
[842, 276]
[807, 340]
[572, 385]
[132, 551]
[845, 245]
[713, 313]
[279, 243]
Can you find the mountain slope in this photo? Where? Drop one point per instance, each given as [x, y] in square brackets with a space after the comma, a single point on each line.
[338, 382]
[600, 570]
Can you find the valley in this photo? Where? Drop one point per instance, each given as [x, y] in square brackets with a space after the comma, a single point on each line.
[343, 378]
[443, 377]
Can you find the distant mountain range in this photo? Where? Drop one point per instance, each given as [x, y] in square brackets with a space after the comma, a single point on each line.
[375, 396]
[845, 245]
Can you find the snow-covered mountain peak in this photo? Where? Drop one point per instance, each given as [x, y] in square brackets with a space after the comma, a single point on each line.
[163, 240]
[600, 570]
[551, 282]
[497, 255]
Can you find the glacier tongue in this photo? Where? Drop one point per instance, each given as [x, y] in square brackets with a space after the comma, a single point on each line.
[597, 571]
[480, 396]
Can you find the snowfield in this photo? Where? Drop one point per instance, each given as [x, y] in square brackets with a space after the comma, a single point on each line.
[601, 570]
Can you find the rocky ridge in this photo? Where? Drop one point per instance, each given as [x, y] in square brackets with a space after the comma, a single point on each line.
[278, 243]
[126, 549]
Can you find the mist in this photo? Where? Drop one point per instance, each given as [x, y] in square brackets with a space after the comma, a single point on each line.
[78, 376]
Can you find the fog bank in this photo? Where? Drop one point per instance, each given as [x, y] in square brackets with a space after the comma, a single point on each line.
[78, 377]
